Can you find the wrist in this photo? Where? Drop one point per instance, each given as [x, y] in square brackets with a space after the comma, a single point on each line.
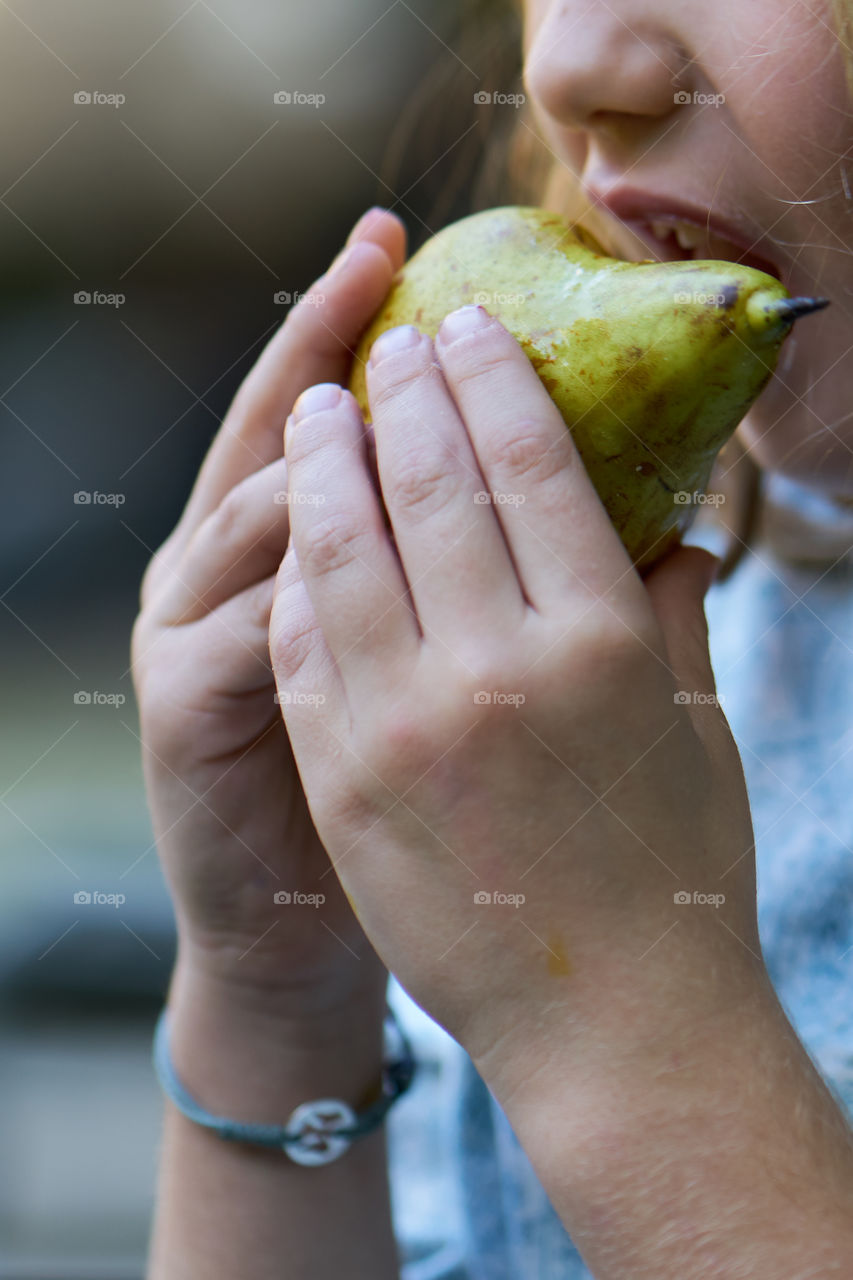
[617, 1032]
[720, 1152]
[254, 1057]
[280, 988]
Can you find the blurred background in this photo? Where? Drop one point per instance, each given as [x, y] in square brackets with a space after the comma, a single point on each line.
[158, 207]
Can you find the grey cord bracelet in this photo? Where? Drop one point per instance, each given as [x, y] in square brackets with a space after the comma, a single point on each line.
[317, 1132]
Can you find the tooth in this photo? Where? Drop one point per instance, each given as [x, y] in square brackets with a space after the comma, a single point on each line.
[661, 229]
[688, 237]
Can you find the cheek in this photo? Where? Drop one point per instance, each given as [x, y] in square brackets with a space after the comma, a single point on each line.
[798, 426]
[790, 102]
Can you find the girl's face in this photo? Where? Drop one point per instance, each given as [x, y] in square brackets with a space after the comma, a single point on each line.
[734, 121]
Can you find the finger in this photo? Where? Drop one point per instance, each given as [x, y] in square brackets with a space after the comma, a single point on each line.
[677, 586]
[230, 648]
[310, 690]
[315, 344]
[454, 555]
[351, 571]
[230, 661]
[561, 539]
[383, 228]
[241, 542]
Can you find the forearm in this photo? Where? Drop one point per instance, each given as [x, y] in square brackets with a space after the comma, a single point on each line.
[720, 1157]
[225, 1209]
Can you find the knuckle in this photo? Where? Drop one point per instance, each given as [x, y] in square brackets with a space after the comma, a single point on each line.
[396, 379]
[479, 356]
[315, 330]
[293, 639]
[149, 583]
[139, 644]
[228, 518]
[613, 643]
[302, 446]
[491, 674]
[398, 744]
[327, 545]
[421, 486]
[623, 648]
[159, 687]
[636, 637]
[155, 571]
[528, 451]
[487, 692]
[288, 580]
[257, 602]
[307, 441]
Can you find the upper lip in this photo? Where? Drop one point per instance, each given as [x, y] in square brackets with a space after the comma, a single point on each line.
[638, 208]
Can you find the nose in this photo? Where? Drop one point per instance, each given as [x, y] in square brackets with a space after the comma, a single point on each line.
[591, 59]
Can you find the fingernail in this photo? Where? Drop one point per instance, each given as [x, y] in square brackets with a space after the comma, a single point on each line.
[365, 221]
[340, 261]
[465, 320]
[405, 335]
[326, 395]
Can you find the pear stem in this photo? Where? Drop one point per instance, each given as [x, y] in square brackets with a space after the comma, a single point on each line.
[793, 308]
[769, 314]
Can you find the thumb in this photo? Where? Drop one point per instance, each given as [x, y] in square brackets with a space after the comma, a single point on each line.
[677, 587]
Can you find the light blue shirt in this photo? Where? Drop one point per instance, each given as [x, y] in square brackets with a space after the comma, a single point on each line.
[781, 640]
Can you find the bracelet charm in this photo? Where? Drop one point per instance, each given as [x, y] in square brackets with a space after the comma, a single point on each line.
[312, 1126]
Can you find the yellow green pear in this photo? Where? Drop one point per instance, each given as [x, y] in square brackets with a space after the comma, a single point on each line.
[652, 365]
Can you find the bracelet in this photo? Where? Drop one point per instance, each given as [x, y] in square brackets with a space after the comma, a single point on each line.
[317, 1132]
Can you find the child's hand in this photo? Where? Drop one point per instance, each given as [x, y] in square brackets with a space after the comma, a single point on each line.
[229, 814]
[500, 713]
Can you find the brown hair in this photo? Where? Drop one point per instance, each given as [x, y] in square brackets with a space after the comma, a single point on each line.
[498, 157]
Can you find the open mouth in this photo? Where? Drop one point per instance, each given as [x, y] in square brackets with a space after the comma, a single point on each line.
[670, 239]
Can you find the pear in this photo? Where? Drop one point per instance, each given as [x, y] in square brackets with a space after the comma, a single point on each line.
[652, 364]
